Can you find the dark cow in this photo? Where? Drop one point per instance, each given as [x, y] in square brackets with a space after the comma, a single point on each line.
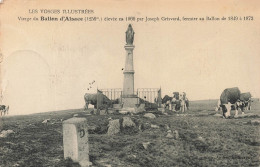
[166, 98]
[4, 109]
[229, 97]
[93, 99]
[245, 100]
[167, 101]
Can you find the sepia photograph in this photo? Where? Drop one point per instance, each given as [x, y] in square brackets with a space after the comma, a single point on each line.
[133, 83]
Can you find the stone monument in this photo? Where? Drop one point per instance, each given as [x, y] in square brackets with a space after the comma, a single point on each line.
[75, 141]
[129, 99]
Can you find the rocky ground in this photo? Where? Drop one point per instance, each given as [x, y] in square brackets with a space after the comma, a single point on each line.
[199, 137]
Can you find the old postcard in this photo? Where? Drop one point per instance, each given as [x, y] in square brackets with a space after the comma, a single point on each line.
[129, 83]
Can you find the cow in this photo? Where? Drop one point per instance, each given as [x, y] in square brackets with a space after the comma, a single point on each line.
[4, 109]
[228, 98]
[166, 98]
[93, 98]
[245, 100]
[166, 101]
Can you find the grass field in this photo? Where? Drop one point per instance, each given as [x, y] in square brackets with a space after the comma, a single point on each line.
[204, 139]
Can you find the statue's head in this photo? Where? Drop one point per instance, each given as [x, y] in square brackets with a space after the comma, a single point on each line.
[130, 28]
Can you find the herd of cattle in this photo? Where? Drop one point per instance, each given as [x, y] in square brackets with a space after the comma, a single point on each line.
[231, 98]
[178, 101]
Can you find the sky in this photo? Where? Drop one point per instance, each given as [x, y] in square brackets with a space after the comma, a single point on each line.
[48, 65]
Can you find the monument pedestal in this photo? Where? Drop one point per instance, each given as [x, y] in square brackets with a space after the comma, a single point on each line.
[130, 101]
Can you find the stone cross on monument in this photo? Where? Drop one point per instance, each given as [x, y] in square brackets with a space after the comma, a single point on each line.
[129, 99]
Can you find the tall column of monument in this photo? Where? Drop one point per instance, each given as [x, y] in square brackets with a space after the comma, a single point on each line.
[128, 87]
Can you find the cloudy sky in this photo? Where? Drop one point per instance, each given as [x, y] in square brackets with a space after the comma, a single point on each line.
[49, 65]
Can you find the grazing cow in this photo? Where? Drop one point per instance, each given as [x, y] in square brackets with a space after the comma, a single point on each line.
[245, 100]
[166, 98]
[4, 109]
[93, 99]
[166, 101]
[228, 98]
